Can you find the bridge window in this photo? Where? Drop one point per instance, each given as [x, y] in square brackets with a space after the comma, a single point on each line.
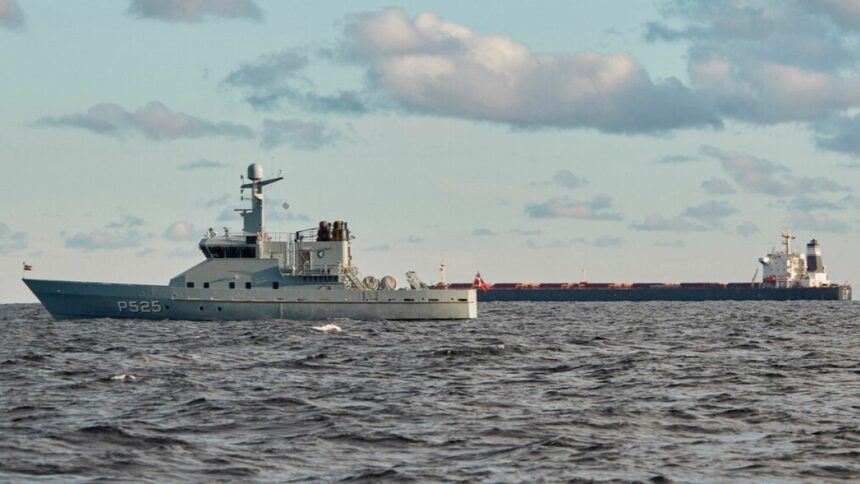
[232, 285]
[247, 285]
[276, 285]
[229, 252]
[189, 284]
[205, 285]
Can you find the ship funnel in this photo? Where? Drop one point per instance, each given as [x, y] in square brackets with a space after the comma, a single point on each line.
[813, 257]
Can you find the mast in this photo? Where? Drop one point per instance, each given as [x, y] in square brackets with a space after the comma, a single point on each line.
[254, 221]
[788, 236]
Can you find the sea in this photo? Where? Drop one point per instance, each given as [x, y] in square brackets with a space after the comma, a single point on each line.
[528, 392]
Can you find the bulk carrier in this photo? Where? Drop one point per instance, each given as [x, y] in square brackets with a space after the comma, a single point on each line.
[786, 276]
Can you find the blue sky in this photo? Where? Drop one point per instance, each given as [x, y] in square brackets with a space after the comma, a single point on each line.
[639, 140]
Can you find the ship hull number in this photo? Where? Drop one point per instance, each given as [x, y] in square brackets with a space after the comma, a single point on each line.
[139, 306]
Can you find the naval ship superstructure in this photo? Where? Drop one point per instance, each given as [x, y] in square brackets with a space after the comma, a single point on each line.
[256, 274]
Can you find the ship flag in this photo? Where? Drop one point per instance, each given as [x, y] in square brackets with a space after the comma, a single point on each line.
[28, 267]
[479, 283]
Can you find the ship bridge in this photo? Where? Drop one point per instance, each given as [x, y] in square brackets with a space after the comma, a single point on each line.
[255, 256]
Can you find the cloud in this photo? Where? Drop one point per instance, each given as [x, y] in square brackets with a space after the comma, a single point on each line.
[181, 230]
[11, 16]
[598, 208]
[202, 164]
[844, 12]
[127, 221]
[747, 228]
[807, 203]
[480, 232]
[839, 133]
[766, 61]
[271, 79]
[567, 179]
[717, 186]
[270, 70]
[104, 240]
[677, 159]
[707, 216]
[758, 175]
[817, 222]
[657, 222]
[300, 135]
[804, 202]
[710, 213]
[194, 10]
[429, 65]
[11, 241]
[154, 121]
[607, 241]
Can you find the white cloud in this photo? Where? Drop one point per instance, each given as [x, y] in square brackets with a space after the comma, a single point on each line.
[180, 231]
[767, 61]
[434, 66]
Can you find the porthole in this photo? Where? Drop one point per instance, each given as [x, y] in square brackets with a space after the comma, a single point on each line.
[201, 308]
[219, 308]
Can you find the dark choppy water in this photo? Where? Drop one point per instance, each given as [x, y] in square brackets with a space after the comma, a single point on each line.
[552, 391]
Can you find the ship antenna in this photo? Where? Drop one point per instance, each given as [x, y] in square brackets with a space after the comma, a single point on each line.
[788, 236]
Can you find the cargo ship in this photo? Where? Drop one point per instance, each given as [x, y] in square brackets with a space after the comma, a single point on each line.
[786, 276]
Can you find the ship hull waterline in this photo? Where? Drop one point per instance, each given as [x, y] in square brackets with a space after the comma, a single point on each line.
[831, 293]
[87, 300]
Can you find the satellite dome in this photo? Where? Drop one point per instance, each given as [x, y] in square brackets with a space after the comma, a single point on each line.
[255, 171]
[388, 283]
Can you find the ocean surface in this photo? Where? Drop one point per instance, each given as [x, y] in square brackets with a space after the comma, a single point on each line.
[711, 392]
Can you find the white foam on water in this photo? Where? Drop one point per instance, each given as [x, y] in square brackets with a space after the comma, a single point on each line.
[123, 377]
[328, 328]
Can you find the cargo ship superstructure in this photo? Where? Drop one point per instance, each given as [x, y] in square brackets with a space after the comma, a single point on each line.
[786, 276]
[256, 274]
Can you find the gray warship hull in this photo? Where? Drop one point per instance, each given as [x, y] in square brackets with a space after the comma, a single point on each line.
[86, 300]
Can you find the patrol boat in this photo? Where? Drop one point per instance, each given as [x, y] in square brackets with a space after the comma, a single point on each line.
[260, 275]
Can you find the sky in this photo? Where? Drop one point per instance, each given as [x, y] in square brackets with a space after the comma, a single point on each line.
[638, 140]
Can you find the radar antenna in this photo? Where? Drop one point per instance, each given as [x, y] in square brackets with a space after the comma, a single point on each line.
[254, 219]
